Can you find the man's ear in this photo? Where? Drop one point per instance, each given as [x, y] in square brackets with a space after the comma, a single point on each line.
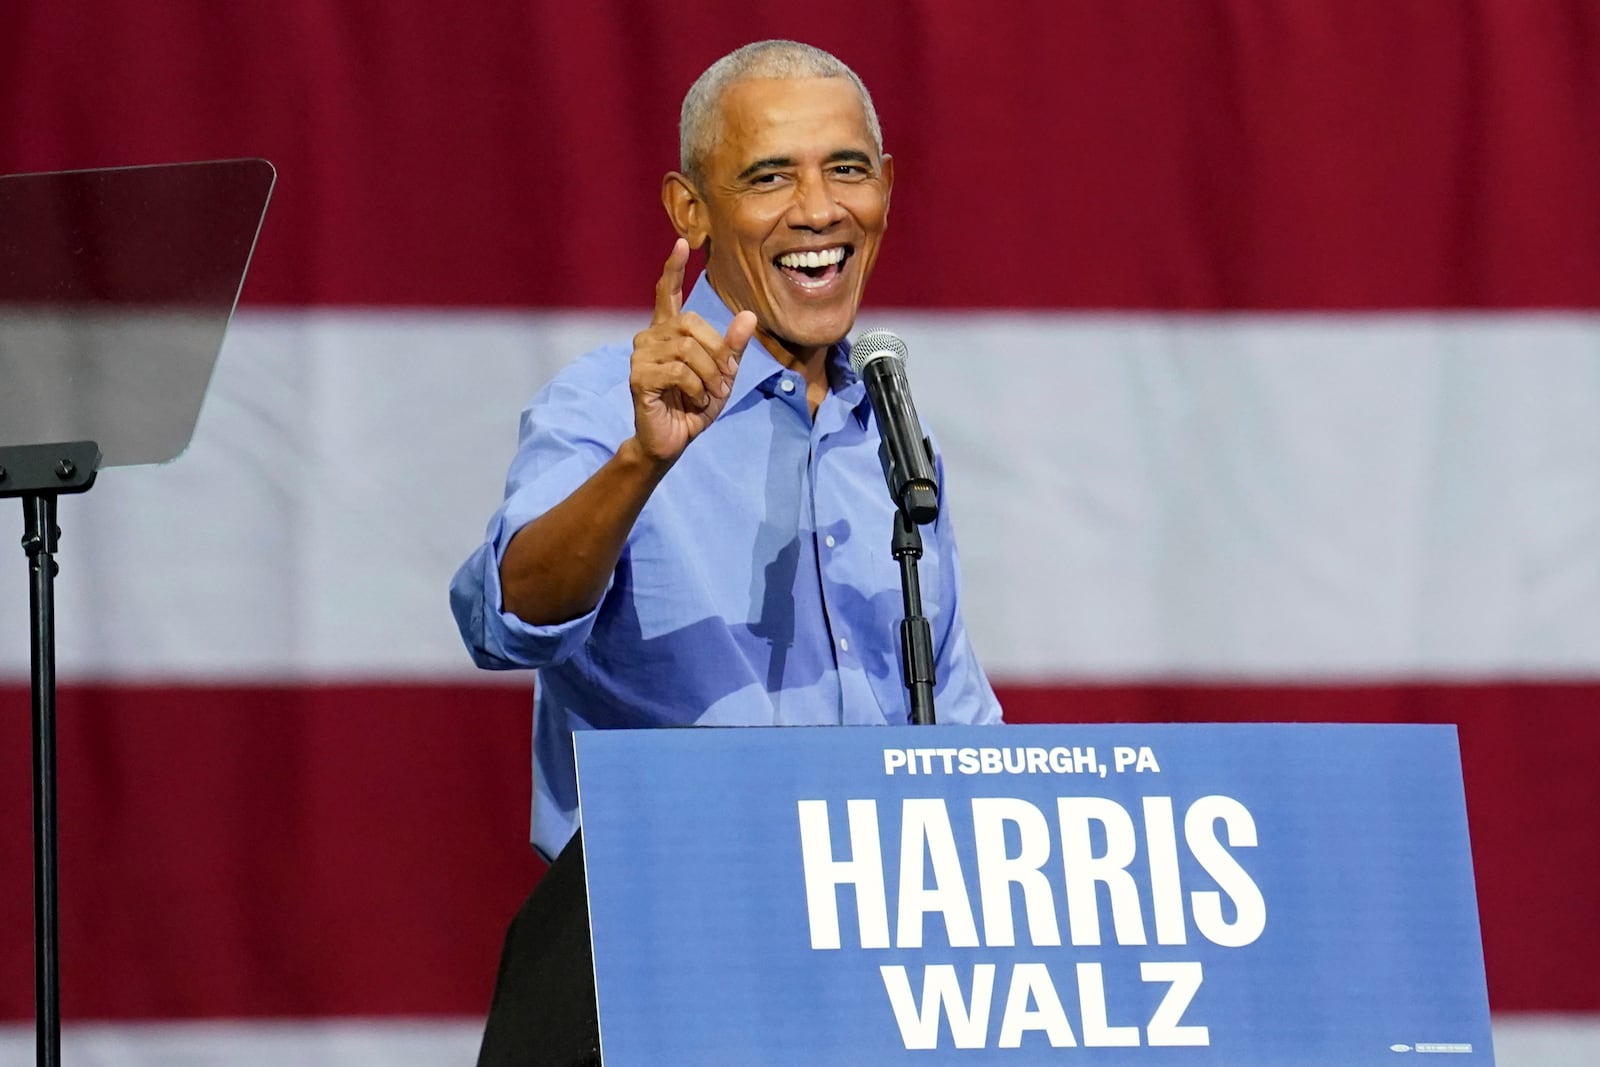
[685, 208]
[886, 168]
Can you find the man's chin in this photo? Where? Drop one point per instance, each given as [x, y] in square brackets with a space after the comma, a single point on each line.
[803, 333]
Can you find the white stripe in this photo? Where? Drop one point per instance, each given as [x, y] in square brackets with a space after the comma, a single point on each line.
[309, 1043]
[1137, 496]
[1520, 1041]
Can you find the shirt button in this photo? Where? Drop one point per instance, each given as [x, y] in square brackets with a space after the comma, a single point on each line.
[787, 385]
[844, 644]
[829, 541]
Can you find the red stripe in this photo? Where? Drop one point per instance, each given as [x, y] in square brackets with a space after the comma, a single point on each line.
[356, 850]
[270, 851]
[1215, 154]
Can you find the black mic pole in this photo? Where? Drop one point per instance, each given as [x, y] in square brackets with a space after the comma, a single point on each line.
[916, 635]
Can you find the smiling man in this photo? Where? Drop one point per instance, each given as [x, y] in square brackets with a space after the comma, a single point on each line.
[696, 528]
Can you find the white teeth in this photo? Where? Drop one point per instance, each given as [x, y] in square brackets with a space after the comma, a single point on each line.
[825, 258]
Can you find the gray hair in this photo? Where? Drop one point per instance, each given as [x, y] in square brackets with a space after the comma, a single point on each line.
[763, 59]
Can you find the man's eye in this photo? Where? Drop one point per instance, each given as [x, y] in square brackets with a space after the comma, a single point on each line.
[850, 170]
[771, 178]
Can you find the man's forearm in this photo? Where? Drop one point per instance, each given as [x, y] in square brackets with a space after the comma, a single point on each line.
[556, 567]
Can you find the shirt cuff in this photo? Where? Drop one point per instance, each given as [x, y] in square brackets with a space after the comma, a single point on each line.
[538, 646]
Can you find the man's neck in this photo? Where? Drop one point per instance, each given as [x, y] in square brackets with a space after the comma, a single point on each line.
[810, 362]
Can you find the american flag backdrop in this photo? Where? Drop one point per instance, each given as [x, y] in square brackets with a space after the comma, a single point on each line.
[1262, 339]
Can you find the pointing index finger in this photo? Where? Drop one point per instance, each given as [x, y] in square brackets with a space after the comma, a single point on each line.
[669, 290]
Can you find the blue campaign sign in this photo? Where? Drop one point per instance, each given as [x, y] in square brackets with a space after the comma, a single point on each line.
[1272, 895]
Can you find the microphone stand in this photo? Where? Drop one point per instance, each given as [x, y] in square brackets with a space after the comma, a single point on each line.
[916, 634]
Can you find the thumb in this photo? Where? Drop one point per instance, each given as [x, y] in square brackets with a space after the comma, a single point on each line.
[740, 331]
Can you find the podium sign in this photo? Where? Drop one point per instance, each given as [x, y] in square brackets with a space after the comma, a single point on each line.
[1248, 895]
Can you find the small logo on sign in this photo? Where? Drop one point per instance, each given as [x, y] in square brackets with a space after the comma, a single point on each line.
[1399, 1048]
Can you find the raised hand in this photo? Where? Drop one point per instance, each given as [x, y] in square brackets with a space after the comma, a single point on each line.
[682, 370]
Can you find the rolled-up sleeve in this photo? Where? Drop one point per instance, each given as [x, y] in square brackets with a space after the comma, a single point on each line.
[569, 431]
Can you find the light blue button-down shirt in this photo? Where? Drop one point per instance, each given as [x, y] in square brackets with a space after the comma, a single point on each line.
[756, 588]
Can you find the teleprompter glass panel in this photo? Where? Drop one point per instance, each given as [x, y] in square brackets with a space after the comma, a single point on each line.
[116, 287]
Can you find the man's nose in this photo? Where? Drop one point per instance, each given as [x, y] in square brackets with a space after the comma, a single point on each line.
[815, 207]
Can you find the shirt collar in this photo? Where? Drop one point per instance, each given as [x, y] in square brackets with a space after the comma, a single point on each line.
[757, 367]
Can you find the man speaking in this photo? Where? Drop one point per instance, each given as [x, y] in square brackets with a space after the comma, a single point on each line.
[696, 526]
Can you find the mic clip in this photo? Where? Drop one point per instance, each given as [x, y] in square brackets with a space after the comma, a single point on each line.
[917, 498]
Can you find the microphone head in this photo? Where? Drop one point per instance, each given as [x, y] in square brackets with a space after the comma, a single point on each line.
[875, 344]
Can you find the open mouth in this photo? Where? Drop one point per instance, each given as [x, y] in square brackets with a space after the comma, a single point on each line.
[813, 269]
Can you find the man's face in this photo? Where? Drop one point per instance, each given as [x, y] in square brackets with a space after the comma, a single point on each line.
[795, 201]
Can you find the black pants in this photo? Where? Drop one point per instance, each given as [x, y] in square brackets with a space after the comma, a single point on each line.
[543, 1012]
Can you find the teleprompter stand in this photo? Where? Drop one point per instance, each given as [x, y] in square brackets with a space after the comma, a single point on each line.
[39, 474]
[116, 287]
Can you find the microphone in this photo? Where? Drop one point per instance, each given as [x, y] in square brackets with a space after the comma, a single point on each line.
[879, 358]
